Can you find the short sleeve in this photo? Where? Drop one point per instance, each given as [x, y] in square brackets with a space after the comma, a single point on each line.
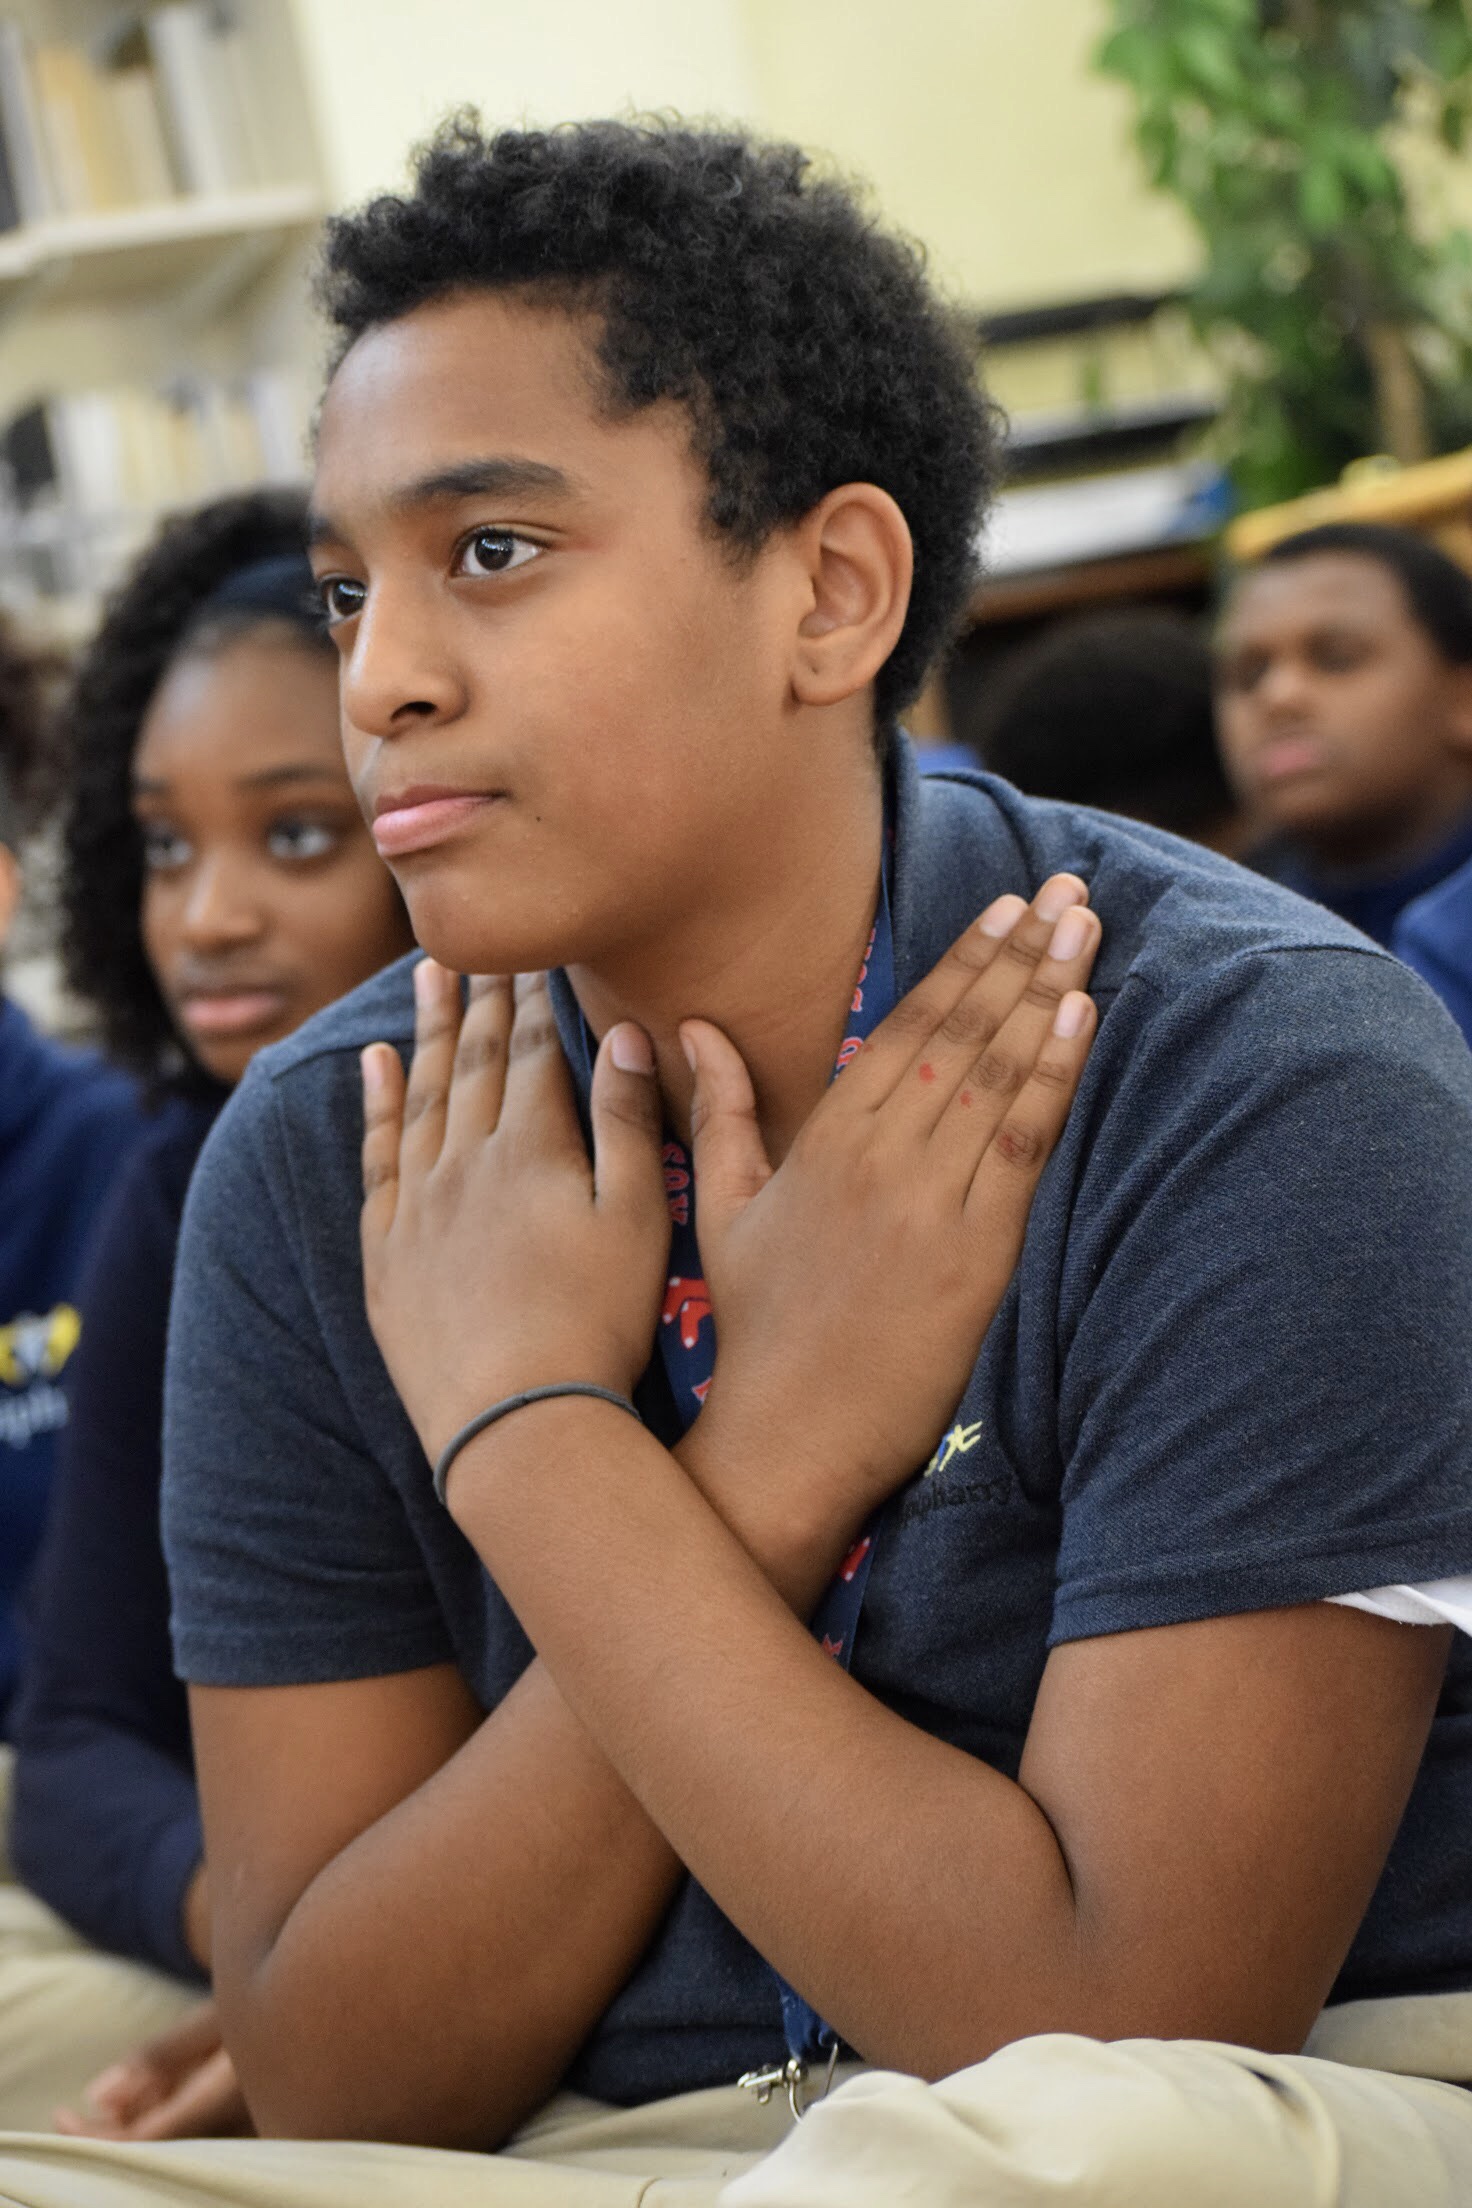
[291, 1557]
[1265, 1391]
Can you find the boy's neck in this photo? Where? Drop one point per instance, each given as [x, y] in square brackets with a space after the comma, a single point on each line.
[768, 953]
[1381, 849]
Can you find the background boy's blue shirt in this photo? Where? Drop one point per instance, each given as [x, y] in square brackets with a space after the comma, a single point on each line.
[1434, 937]
[1371, 902]
[66, 1123]
[1231, 1372]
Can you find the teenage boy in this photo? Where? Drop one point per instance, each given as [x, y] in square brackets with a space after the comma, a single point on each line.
[647, 484]
[1344, 712]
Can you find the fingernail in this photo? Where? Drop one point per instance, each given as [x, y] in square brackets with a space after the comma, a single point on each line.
[689, 1050]
[1068, 1020]
[1001, 918]
[1070, 935]
[372, 1066]
[426, 975]
[1054, 899]
[630, 1049]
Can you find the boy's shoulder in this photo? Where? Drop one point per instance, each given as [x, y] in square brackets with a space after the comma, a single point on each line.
[1175, 915]
[379, 1010]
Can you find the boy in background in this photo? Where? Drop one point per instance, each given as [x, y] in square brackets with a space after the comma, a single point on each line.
[1344, 710]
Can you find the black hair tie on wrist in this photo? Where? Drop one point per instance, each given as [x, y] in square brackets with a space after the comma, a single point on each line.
[506, 1406]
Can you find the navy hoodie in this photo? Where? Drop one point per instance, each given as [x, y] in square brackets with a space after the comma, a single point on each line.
[66, 1123]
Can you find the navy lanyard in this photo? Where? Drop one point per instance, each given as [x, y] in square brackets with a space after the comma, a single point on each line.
[688, 1352]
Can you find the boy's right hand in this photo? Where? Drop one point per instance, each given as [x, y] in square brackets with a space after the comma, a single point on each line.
[852, 1286]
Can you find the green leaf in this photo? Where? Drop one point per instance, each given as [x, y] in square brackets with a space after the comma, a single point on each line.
[1208, 57]
[1321, 199]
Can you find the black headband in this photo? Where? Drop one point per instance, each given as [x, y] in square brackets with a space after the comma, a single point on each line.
[282, 585]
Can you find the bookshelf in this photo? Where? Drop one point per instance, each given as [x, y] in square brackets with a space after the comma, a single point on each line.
[161, 251]
[160, 185]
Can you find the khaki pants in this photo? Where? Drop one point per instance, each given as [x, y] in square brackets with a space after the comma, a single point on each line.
[67, 2011]
[1054, 2122]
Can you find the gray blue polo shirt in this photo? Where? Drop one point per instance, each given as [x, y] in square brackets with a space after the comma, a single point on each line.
[1232, 1372]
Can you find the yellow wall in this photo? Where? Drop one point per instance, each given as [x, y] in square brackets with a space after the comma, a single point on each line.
[381, 72]
[977, 121]
[984, 134]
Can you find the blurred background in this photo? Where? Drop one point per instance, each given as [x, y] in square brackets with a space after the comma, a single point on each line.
[1213, 253]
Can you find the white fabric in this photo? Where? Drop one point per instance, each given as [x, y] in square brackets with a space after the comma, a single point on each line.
[1434, 1602]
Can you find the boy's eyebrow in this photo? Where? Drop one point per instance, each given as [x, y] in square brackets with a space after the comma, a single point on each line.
[489, 478]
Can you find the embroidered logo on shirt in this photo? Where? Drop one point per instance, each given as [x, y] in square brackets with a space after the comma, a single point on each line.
[33, 1348]
[959, 1442]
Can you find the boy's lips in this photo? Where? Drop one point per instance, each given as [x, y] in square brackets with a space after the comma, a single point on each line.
[1282, 758]
[412, 820]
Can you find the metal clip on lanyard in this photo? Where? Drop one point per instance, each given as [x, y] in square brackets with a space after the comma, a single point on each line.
[792, 2076]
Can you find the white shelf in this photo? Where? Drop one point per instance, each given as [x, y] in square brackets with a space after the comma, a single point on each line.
[140, 253]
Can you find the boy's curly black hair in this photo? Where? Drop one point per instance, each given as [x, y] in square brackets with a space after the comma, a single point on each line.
[161, 608]
[802, 340]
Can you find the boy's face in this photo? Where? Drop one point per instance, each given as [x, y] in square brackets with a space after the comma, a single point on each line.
[1339, 720]
[566, 708]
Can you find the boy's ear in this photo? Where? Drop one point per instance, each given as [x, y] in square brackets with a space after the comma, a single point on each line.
[10, 886]
[855, 545]
[1461, 711]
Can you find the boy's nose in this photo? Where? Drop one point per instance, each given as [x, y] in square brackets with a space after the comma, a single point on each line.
[397, 675]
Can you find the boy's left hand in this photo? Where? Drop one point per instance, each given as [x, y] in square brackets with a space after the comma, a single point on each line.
[494, 1265]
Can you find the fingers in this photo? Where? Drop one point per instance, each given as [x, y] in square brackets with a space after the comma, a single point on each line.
[383, 1118]
[731, 1162]
[971, 1090]
[436, 1032]
[1011, 1164]
[628, 1169]
[933, 1033]
[206, 2103]
[478, 1072]
[537, 1109]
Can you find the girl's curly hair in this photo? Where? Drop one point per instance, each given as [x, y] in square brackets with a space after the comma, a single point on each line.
[154, 615]
[803, 341]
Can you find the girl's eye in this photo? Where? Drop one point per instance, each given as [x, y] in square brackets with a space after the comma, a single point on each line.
[301, 839]
[342, 597]
[493, 552]
[164, 849]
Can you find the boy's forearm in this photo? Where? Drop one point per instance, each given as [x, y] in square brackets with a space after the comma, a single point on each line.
[845, 1843]
[556, 1901]
[435, 1979]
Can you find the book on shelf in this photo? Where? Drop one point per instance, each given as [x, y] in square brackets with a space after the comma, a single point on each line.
[159, 102]
[207, 93]
[20, 126]
[86, 475]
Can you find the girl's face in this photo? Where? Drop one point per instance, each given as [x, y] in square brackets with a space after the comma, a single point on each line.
[263, 898]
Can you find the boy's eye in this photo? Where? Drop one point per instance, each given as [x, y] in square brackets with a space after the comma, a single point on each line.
[342, 597]
[164, 850]
[1336, 655]
[493, 552]
[301, 839]
[1244, 671]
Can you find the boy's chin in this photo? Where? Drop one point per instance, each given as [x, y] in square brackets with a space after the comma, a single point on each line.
[468, 945]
